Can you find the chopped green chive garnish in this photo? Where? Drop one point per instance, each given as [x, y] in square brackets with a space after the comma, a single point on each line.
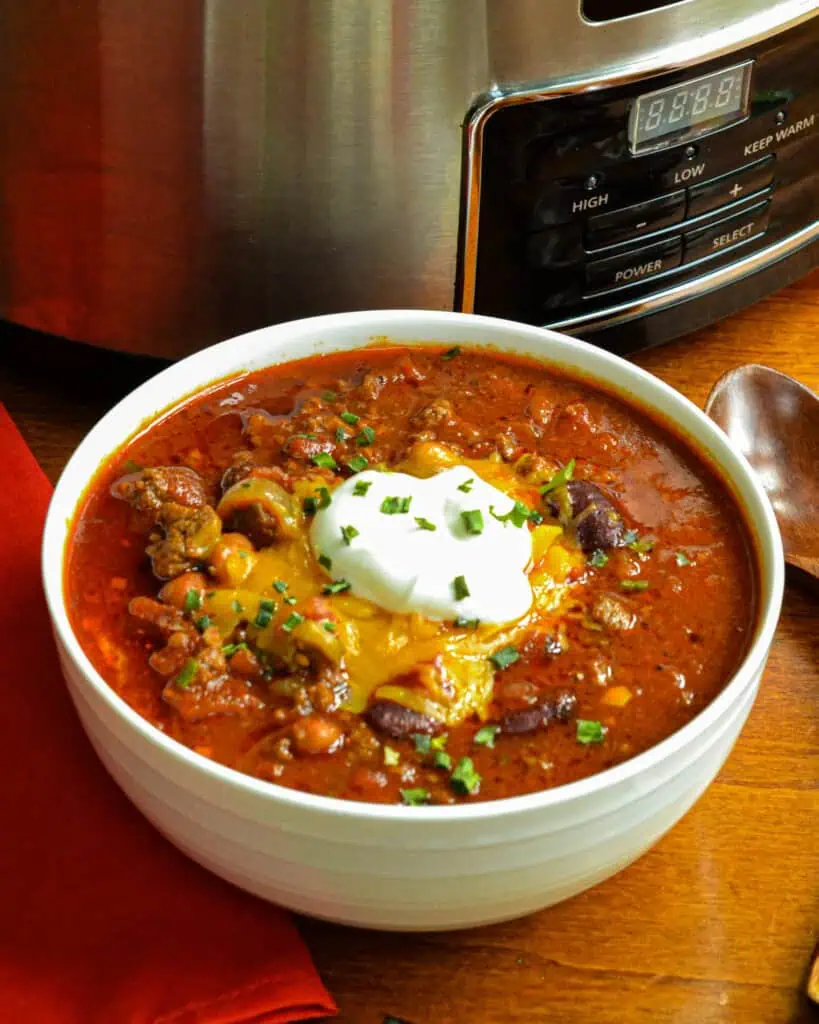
[361, 487]
[560, 479]
[422, 742]
[634, 584]
[292, 620]
[230, 649]
[329, 626]
[265, 614]
[439, 742]
[324, 497]
[244, 554]
[193, 601]
[309, 437]
[452, 352]
[326, 561]
[598, 558]
[391, 757]
[336, 587]
[279, 585]
[395, 506]
[236, 606]
[367, 436]
[349, 417]
[642, 545]
[415, 797]
[203, 623]
[341, 434]
[440, 759]
[465, 779]
[291, 600]
[466, 486]
[463, 623]
[473, 521]
[682, 558]
[459, 588]
[324, 460]
[310, 506]
[358, 463]
[630, 536]
[424, 524]
[329, 396]
[505, 657]
[485, 736]
[348, 533]
[517, 515]
[188, 673]
[589, 731]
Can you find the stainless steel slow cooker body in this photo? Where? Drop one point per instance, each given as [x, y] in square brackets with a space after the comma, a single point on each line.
[175, 173]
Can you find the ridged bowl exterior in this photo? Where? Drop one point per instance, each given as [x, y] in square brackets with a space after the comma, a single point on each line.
[392, 867]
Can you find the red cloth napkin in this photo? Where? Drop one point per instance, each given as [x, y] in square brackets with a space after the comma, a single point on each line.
[102, 921]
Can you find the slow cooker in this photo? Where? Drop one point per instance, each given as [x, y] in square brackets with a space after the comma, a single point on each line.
[625, 170]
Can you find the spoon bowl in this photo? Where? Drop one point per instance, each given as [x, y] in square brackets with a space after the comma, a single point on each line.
[774, 421]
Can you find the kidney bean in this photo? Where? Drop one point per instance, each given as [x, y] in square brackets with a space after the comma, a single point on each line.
[391, 719]
[600, 524]
[524, 720]
[556, 709]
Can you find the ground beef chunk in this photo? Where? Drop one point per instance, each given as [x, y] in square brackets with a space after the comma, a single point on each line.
[255, 522]
[210, 695]
[304, 448]
[186, 528]
[612, 614]
[165, 618]
[150, 490]
[244, 466]
[183, 540]
[437, 413]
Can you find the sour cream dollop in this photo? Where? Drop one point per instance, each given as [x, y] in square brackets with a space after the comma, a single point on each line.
[469, 566]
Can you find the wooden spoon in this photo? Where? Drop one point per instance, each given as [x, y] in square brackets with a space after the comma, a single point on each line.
[774, 421]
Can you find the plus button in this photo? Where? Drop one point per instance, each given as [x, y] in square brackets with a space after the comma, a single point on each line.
[736, 190]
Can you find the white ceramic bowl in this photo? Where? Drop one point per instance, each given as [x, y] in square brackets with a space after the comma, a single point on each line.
[408, 868]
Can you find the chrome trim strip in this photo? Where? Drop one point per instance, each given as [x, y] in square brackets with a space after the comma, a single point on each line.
[671, 59]
[614, 315]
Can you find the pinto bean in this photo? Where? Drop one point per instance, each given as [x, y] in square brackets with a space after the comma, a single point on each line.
[391, 719]
[175, 592]
[316, 734]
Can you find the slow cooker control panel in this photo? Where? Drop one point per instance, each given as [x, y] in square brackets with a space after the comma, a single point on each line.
[591, 201]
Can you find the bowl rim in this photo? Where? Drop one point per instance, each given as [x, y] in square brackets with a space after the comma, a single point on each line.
[760, 521]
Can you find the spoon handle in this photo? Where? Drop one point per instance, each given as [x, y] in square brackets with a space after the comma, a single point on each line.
[807, 563]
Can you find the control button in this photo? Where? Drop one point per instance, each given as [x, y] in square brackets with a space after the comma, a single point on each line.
[566, 204]
[730, 188]
[617, 225]
[727, 233]
[635, 266]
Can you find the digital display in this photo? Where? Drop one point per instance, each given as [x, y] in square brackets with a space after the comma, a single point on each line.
[689, 109]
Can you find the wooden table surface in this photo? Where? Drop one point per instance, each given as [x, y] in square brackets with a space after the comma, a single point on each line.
[717, 923]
